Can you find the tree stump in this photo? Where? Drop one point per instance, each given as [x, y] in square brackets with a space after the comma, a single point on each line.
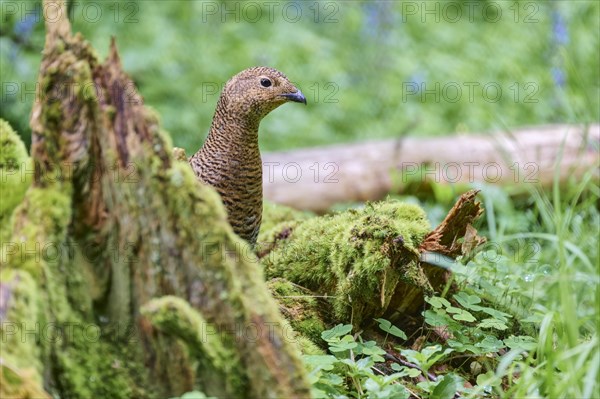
[120, 275]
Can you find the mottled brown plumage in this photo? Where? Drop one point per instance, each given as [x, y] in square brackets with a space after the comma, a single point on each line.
[230, 159]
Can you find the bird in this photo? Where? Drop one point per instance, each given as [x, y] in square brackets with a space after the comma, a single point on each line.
[229, 160]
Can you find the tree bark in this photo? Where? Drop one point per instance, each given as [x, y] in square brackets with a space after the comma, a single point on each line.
[115, 237]
[316, 179]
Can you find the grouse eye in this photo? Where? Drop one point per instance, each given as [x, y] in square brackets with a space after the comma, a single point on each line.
[264, 82]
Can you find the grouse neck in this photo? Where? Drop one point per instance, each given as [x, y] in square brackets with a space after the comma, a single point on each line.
[234, 124]
[234, 131]
[234, 138]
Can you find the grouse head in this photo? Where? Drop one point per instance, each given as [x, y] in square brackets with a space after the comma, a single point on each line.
[255, 92]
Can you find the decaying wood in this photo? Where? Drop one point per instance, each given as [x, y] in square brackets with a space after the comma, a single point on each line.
[315, 179]
[145, 256]
[368, 263]
[447, 238]
[454, 237]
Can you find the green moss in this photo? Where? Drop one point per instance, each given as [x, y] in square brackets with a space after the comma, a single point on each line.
[81, 353]
[179, 154]
[67, 341]
[208, 202]
[277, 224]
[358, 257]
[38, 248]
[20, 383]
[19, 331]
[16, 170]
[300, 307]
[174, 316]
[36, 242]
[274, 214]
[308, 347]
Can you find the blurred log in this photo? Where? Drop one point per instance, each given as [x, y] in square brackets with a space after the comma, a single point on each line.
[315, 179]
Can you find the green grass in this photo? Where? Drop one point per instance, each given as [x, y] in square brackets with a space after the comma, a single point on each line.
[557, 285]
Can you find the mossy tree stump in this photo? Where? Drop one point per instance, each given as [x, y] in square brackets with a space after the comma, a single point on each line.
[120, 274]
[378, 261]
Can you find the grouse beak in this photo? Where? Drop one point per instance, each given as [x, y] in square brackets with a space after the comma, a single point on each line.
[296, 97]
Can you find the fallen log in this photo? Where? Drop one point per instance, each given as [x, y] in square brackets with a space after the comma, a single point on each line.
[315, 179]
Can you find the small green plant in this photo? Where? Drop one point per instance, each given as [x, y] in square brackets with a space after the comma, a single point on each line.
[351, 371]
[389, 328]
[354, 369]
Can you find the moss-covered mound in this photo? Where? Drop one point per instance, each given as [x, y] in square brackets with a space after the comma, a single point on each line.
[357, 257]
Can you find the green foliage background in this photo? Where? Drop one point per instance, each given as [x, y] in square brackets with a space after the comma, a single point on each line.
[356, 61]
